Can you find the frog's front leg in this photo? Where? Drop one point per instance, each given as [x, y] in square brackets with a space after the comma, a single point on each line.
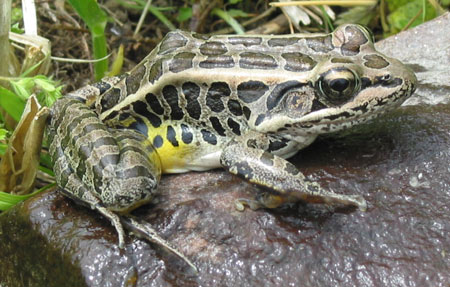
[281, 180]
[109, 170]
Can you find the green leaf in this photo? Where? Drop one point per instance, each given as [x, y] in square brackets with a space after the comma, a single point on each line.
[117, 64]
[16, 15]
[184, 13]
[22, 87]
[16, 29]
[395, 4]
[51, 90]
[48, 90]
[359, 14]
[91, 13]
[327, 19]
[12, 103]
[3, 134]
[234, 1]
[401, 16]
[45, 84]
[47, 170]
[3, 148]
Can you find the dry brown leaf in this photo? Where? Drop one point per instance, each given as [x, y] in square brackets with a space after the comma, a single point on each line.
[19, 165]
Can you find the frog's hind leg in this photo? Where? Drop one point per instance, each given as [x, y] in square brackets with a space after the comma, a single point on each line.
[281, 181]
[131, 181]
[74, 188]
[109, 170]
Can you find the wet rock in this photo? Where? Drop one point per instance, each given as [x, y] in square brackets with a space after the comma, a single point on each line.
[426, 50]
[399, 163]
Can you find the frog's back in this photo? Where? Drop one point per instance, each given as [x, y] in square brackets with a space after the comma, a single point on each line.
[194, 77]
[193, 93]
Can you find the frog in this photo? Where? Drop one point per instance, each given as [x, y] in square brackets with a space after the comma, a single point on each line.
[244, 103]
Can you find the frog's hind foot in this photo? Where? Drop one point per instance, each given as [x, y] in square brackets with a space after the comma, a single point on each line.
[145, 231]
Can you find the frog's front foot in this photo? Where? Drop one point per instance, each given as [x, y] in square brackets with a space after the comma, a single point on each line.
[274, 201]
[280, 180]
[358, 201]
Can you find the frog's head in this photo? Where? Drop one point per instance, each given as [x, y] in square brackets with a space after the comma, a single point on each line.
[350, 85]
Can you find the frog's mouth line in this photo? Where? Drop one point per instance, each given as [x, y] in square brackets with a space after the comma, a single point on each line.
[359, 113]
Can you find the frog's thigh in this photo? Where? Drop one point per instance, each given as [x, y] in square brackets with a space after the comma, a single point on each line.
[283, 179]
[109, 170]
[115, 165]
[136, 174]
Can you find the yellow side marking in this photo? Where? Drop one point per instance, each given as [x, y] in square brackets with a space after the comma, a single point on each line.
[172, 157]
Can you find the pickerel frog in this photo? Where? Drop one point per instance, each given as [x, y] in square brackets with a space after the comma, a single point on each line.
[244, 103]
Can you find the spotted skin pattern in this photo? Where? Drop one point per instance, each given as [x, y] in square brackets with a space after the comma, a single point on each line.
[244, 103]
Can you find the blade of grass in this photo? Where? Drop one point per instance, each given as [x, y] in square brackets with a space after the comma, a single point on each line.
[156, 11]
[161, 17]
[230, 20]
[46, 170]
[142, 18]
[8, 200]
[326, 18]
[95, 19]
[117, 64]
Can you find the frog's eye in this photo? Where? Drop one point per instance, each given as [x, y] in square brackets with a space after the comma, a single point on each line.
[338, 85]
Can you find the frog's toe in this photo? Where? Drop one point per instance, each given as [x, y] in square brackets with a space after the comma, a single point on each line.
[262, 200]
[359, 202]
[348, 200]
[241, 203]
[115, 221]
[121, 236]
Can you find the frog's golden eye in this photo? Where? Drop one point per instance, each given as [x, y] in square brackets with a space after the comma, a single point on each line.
[338, 85]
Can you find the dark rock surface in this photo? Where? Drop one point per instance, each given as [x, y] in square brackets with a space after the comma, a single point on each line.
[400, 163]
